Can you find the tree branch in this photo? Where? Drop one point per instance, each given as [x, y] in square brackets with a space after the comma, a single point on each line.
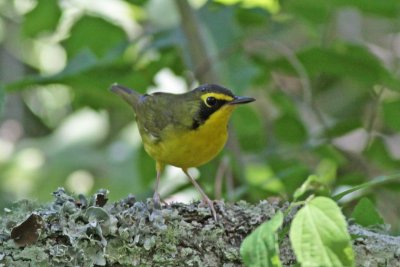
[75, 231]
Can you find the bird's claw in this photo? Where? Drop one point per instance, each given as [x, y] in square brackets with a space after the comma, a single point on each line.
[156, 200]
[210, 204]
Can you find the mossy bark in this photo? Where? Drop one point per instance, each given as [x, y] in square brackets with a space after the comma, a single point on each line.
[74, 231]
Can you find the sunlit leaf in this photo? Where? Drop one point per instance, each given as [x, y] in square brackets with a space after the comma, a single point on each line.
[319, 235]
[365, 213]
[260, 248]
[260, 176]
[326, 172]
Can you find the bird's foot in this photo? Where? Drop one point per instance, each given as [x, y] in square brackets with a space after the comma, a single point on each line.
[156, 200]
[210, 204]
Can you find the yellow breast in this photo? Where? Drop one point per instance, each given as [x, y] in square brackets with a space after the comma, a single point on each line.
[192, 148]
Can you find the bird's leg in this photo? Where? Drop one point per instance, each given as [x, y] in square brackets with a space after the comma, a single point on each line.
[205, 197]
[156, 196]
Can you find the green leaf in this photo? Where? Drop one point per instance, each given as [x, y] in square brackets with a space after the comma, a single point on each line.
[387, 8]
[319, 235]
[304, 187]
[1, 98]
[249, 134]
[318, 183]
[378, 153]
[261, 176]
[289, 129]
[377, 181]
[315, 184]
[260, 248]
[345, 61]
[44, 17]
[318, 12]
[345, 125]
[234, 68]
[326, 172]
[95, 34]
[391, 114]
[288, 171]
[365, 213]
[248, 17]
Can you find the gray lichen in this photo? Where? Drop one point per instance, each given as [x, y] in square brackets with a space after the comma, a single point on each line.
[80, 232]
[75, 231]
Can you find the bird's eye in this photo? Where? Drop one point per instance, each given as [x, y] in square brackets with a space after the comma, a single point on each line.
[211, 101]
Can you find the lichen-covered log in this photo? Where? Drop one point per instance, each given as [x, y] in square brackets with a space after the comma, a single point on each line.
[74, 231]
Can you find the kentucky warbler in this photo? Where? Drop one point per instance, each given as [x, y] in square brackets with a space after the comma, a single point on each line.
[183, 130]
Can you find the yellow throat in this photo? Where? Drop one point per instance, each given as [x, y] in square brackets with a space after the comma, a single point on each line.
[192, 148]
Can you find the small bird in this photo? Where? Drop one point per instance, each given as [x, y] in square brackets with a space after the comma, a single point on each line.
[183, 130]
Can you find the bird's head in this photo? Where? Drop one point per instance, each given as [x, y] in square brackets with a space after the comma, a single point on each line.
[217, 102]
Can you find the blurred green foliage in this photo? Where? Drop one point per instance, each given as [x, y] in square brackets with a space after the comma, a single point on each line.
[325, 75]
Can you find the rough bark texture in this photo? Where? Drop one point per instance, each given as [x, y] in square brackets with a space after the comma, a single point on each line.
[74, 231]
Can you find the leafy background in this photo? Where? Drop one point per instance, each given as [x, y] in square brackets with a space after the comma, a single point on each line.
[325, 75]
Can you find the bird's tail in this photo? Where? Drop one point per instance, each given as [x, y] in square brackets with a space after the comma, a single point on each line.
[129, 95]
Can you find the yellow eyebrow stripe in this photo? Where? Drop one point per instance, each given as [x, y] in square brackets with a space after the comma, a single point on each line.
[217, 96]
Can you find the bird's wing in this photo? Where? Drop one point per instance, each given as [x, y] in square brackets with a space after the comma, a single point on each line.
[161, 110]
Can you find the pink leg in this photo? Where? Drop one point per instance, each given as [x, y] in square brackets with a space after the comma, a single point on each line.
[156, 196]
[205, 197]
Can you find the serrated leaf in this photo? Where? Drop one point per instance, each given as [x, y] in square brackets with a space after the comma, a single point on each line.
[44, 17]
[319, 235]
[260, 248]
[365, 213]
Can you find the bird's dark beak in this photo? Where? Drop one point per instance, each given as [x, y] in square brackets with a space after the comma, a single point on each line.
[241, 100]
